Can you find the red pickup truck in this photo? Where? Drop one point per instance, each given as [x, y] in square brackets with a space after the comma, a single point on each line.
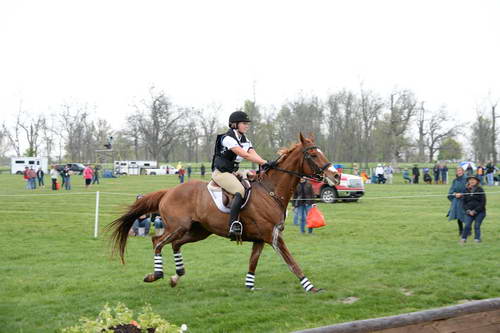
[350, 189]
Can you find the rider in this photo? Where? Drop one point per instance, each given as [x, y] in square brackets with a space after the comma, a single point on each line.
[230, 149]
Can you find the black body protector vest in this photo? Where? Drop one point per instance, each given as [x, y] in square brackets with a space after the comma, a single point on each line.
[224, 159]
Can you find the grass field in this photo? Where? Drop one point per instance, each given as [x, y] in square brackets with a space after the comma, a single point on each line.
[395, 254]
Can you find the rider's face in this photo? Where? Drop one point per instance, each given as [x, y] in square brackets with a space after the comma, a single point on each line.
[243, 127]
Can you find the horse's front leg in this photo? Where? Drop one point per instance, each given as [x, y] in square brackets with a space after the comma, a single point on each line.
[254, 259]
[280, 247]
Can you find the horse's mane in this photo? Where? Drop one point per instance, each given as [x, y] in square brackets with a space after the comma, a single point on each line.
[285, 151]
[282, 152]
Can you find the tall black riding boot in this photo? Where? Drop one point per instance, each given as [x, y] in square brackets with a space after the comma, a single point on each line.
[235, 226]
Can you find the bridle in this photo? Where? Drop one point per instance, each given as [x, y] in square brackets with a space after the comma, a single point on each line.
[317, 170]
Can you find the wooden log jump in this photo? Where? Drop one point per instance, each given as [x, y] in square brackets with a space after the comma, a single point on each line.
[473, 317]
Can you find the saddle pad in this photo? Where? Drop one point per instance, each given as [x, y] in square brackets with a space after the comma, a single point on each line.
[216, 193]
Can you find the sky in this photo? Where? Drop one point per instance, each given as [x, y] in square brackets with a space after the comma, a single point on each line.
[109, 53]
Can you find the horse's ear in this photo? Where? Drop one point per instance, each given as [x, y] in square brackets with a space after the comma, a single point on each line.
[302, 139]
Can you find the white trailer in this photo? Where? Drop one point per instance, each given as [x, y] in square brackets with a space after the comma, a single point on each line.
[17, 164]
[133, 167]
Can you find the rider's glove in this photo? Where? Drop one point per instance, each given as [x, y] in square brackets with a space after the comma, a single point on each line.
[268, 165]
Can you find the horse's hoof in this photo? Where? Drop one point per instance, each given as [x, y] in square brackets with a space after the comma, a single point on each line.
[316, 290]
[173, 280]
[153, 277]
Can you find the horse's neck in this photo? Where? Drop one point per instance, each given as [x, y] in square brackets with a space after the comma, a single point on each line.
[283, 184]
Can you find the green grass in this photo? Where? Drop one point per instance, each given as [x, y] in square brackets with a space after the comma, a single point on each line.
[53, 272]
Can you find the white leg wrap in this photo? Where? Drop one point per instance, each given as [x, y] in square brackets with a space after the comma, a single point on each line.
[158, 263]
[306, 284]
[179, 262]
[250, 281]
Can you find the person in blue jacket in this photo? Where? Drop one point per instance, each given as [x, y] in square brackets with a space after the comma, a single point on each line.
[456, 197]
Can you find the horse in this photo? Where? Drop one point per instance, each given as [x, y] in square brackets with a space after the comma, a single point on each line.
[190, 215]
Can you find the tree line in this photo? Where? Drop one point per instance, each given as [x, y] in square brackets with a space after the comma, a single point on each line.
[349, 126]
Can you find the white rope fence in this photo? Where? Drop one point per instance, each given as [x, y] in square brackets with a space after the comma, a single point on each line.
[97, 199]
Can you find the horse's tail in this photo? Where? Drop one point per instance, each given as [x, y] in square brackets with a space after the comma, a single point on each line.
[121, 226]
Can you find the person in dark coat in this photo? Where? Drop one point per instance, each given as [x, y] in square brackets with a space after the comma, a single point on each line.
[435, 172]
[303, 201]
[475, 208]
[455, 195]
[444, 174]
[202, 171]
[416, 173]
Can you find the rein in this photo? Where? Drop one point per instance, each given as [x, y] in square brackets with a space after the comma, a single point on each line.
[318, 171]
[317, 175]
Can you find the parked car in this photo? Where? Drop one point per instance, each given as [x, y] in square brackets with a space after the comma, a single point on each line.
[162, 170]
[350, 189]
[75, 167]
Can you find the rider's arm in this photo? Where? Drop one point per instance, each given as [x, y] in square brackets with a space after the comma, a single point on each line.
[251, 155]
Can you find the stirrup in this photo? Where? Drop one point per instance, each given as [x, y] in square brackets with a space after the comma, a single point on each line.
[235, 231]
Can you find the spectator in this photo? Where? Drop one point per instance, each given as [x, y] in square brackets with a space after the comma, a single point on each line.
[202, 171]
[303, 202]
[355, 169]
[66, 175]
[141, 225]
[480, 173]
[470, 170]
[416, 174]
[475, 208]
[88, 174]
[406, 175]
[364, 175]
[32, 178]
[26, 178]
[95, 179]
[158, 223]
[189, 170]
[444, 174]
[435, 172]
[490, 172]
[39, 175]
[427, 176]
[388, 172]
[182, 172]
[379, 171]
[455, 195]
[53, 176]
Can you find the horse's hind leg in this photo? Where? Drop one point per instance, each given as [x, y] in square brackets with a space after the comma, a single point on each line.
[196, 233]
[280, 247]
[158, 243]
[254, 259]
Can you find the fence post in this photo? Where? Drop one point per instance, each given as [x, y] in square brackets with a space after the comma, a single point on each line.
[96, 226]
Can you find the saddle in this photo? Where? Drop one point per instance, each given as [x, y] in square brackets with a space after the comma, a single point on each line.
[223, 199]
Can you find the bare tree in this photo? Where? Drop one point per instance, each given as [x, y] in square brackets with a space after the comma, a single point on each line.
[437, 131]
[32, 127]
[13, 135]
[402, 108]
[422, 133]
[208, 124]
[159, 124]
[370, 109]
[494, 133]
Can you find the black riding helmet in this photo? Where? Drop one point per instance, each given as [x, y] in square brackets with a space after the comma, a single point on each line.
[238, 116]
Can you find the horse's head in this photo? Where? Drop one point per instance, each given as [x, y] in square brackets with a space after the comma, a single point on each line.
[316, 165]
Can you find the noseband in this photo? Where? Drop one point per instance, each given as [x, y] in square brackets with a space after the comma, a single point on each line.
[317, 171]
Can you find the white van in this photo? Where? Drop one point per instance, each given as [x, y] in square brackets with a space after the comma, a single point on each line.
[17, 164]
[133, 167]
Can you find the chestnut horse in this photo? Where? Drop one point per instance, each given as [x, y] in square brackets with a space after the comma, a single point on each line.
[190, 215]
